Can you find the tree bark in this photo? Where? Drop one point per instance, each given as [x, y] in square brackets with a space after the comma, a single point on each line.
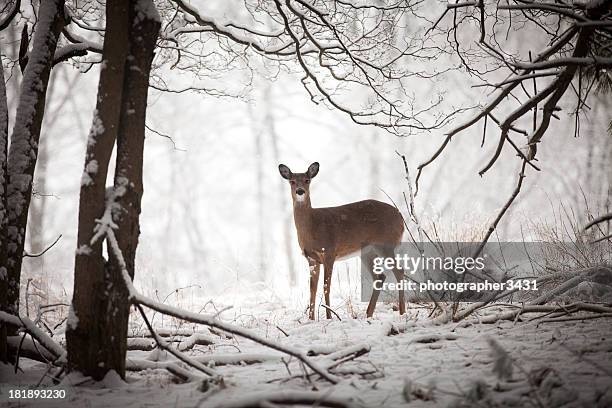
[3, 212]
[128, 185]
[87, 336]
[97, 335]
[26, 134]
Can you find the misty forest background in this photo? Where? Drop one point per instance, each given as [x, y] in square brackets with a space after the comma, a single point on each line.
[215, 212]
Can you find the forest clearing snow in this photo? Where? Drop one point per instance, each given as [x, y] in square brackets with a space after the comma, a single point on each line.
[411, 363]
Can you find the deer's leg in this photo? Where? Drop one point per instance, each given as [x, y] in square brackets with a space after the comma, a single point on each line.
[315, 269]
[399, 275]
[378, 280]
[327, 275]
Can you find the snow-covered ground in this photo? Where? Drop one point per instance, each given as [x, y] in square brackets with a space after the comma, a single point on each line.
[411, 362]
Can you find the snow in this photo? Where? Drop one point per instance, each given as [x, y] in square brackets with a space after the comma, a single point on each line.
[113, 380]
[421, 361]
[83, 250]
[146, 10]
[97, 128]
[91, 168]
[73, 320]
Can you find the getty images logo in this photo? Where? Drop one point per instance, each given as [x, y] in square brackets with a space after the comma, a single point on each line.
[410, 264]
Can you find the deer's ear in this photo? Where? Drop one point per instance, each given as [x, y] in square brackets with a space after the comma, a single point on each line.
[284, 171]
[313, 169]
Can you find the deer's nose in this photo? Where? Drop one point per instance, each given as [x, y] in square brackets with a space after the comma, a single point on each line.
[300, 191]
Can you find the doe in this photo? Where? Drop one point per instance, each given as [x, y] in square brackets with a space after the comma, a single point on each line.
[329, 233]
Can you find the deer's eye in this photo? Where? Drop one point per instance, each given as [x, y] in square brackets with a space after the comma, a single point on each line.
[306, 181]
[292, 182]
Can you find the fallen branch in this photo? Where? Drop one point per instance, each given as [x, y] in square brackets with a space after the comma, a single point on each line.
[237, 359]
[140, 343]
[195, 339]
[165, 332]
[347, 354]
[147, 343]
[463, 314]
[172, 367]
[514, 314]
[588, 274]
[163, 345]
[57, 351]
[575, 318]
[331, 310]
[27, 348]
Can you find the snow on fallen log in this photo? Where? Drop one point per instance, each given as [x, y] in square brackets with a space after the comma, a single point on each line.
[147, 343]
[237, 358]
[27, 347]
[140, 343]
[594, 274]
[335, 351]
[171, 366]
[599, 274]
[166, 332]
[520, 310]
[351, 352]
[394, 328]
[290, 397]
[319, 349]
[195, 339]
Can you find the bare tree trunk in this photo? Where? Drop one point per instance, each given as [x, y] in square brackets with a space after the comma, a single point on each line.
[143, 32]
[97, 333]
[87, 336]
[26, 134]
[3, 211]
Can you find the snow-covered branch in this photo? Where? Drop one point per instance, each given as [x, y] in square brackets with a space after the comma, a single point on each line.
[579, 41]
[334, 44]
[41, 337]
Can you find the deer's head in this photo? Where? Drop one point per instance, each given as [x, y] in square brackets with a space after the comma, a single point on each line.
[300, 182]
